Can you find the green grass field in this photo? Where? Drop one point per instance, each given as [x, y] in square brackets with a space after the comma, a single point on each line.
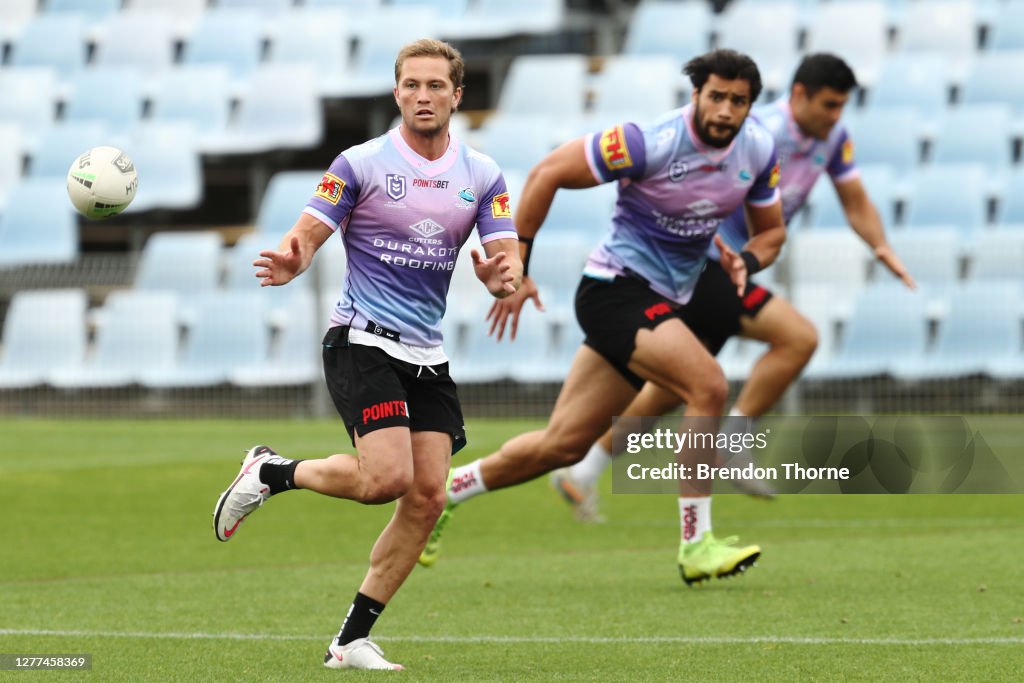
[106, 548]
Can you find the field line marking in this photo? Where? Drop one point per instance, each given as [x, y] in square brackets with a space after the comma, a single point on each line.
[597, 640]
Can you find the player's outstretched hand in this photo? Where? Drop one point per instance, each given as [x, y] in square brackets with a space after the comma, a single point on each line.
[888, 257]
[733, 265]
[506, 311]
[278, 267]
[494, 272]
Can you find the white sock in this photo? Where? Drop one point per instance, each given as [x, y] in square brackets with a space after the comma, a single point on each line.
[466, 483]
[588, 470]
[694, 518]
[736, 412]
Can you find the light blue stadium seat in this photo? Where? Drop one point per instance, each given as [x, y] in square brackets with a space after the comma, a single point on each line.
[30, 98]
[331, 264]
[586, 213]
[554, 366]
[58, 147]
[837, 257]
[280, 109]
[982, 328]
[229, 332]
[878, 180]
[919, 81]
[557, 265]
[138, 332]
[557, 80]
[516, 142]
[1011, 202]
[857, 30]
[271, 8]
[987, 82]
[286, 196]
[946, 26]
[110, 95]
[183, 14]
[371, 72]
[997, 255]
[494, 19]
[948, 194]
[648, 85]
[742, 27]
[196, 95]
[94, 10]
[294, 358]
[888, 326]
[233, 38]
[1007, 31]
[482, 357]
[887, 135]
[468, 299]
[56, 40]
[975, 134]
[819, 303]
[678, 29]
[11, 159]
[932, 257]
[38, 224]
[165, 156]
[44, 330]
[16, 14]
[144, 40]
[187, 263]
[320, 39]
[241, 275]
[534, 346]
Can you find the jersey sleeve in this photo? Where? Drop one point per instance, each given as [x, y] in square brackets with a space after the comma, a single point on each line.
[765, 190]
[616, 152]
[494, 213]
[842, 167]
[335, 194]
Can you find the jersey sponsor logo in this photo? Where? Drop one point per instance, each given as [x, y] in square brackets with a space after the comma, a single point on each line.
[658, 309]
[427, 227]
[702, 207]
[330, 188]
[500, 206]
[613, 149]
[776, 174]
[379, 411]
[848, 152]
[462, 482]
[677, 170]
[689, 522]
[430, 183]
[394, 185]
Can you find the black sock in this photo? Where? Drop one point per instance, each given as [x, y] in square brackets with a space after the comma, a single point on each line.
[360, 619]
[280, 476]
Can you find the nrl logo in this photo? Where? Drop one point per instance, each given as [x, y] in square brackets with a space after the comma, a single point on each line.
[395, 186]
[427, 227]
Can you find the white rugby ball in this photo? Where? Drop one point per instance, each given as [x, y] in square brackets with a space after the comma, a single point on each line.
[102, 182]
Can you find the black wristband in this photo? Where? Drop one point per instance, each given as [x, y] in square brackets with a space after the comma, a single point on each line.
[753, 265]
[528, 241]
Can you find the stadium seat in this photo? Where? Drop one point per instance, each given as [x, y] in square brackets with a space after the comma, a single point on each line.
[270, 8]
[1011, 203]
[482, 357]
[138, 332]
[826, 211]
[494, 19]
[166, 157]
[997, 255]
[183, 14]
[232, 38]
[535, 345]
[279, 109]
[820, 304]
[55, 40]
[331, 264]
[187, 263]
[286, 196]
[887, 327]
[946, 26]
[948, 194]
[636, 88]
[196, 95]
[678, 29]
[38, 224]
[241, 276]
[57, 147]
[857, 30]
[982, 328]
[975, 134]
[516, 142]
[144, 40]
[1007, 31]
[557, 264]
[93, 10]
[919, 81]
[44, 330]
[836, 257]
[738, 356]
[110, 95]
[11, 159]
[30, 97]
[557, 80]
[16, 14]
[931, 256]
[742, 27]
[987, 83]
[316, 38]
[294, 357]
[229, 332]
[887, 135]
[584, 213]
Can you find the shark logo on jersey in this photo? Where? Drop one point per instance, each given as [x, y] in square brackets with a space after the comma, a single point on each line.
[395, 186]
[467, 195]
[427, 227]
[677, 170]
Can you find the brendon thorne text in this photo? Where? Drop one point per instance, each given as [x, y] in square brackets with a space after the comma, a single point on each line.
[703, 472]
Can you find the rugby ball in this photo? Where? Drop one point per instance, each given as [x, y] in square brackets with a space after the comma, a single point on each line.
[102, 182]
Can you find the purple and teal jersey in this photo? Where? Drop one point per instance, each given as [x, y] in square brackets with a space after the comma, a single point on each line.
[673, 193]
[802, 160]
[403, 219]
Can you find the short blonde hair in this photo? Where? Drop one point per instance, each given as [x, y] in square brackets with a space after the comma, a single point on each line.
[428, 47]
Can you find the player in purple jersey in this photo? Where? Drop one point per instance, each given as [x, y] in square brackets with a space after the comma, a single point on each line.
[810, 141]
[404, 203]
[677, 180]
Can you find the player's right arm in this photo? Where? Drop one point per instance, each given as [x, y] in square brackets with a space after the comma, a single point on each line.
[294, 254]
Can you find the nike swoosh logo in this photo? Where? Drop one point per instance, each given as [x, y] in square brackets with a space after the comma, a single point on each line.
[228, 532]
[374, 612]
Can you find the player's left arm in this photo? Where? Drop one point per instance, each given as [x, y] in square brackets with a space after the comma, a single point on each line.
[767, 233]
[865, 220]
